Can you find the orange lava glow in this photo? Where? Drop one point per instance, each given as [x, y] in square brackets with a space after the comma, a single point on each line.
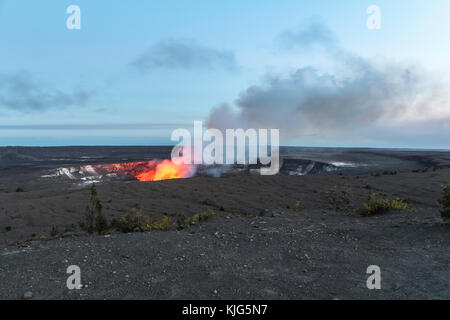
[152, 170]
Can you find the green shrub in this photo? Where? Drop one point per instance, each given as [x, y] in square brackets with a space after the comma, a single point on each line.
[339, 199]
[163, 224]
[133, 221]
[54, 232]
[297, 206]
[445, 202]
[376, 205]
[183, 222]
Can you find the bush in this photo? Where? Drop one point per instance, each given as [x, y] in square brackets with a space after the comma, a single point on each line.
[297, 206]
[376, 205]
[54, 232]
[339, 199]
[163, 224]
[133, 221]
[183, 222]
[445, 202]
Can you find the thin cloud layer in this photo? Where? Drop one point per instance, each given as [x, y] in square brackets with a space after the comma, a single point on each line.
[184, 54]
[21, 92]
[96, 126]
[315, 33]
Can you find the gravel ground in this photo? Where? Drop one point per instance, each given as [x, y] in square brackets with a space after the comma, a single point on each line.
[320, 255]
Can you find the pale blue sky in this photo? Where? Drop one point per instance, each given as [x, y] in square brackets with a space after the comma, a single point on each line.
[94, 90]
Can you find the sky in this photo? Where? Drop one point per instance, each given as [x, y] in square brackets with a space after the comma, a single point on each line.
[136, 70]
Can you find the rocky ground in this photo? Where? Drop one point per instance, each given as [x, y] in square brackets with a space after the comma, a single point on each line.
[291, 256]
[277, 237]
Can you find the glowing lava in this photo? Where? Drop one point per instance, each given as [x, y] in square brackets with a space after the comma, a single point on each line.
[151, 170]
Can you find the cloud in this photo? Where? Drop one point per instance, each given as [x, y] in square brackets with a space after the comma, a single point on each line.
[21, 92]
[314, 33]
[184, 54]
[309, 105]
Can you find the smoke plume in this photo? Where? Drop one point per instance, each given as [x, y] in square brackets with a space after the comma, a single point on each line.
[310, 103]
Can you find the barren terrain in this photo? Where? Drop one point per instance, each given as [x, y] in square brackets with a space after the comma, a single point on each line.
[272, 237]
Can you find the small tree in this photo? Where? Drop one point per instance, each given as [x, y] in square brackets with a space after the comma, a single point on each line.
[445, 203]
[94, 220]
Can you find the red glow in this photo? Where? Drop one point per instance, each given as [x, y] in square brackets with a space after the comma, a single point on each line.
[151, 170]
